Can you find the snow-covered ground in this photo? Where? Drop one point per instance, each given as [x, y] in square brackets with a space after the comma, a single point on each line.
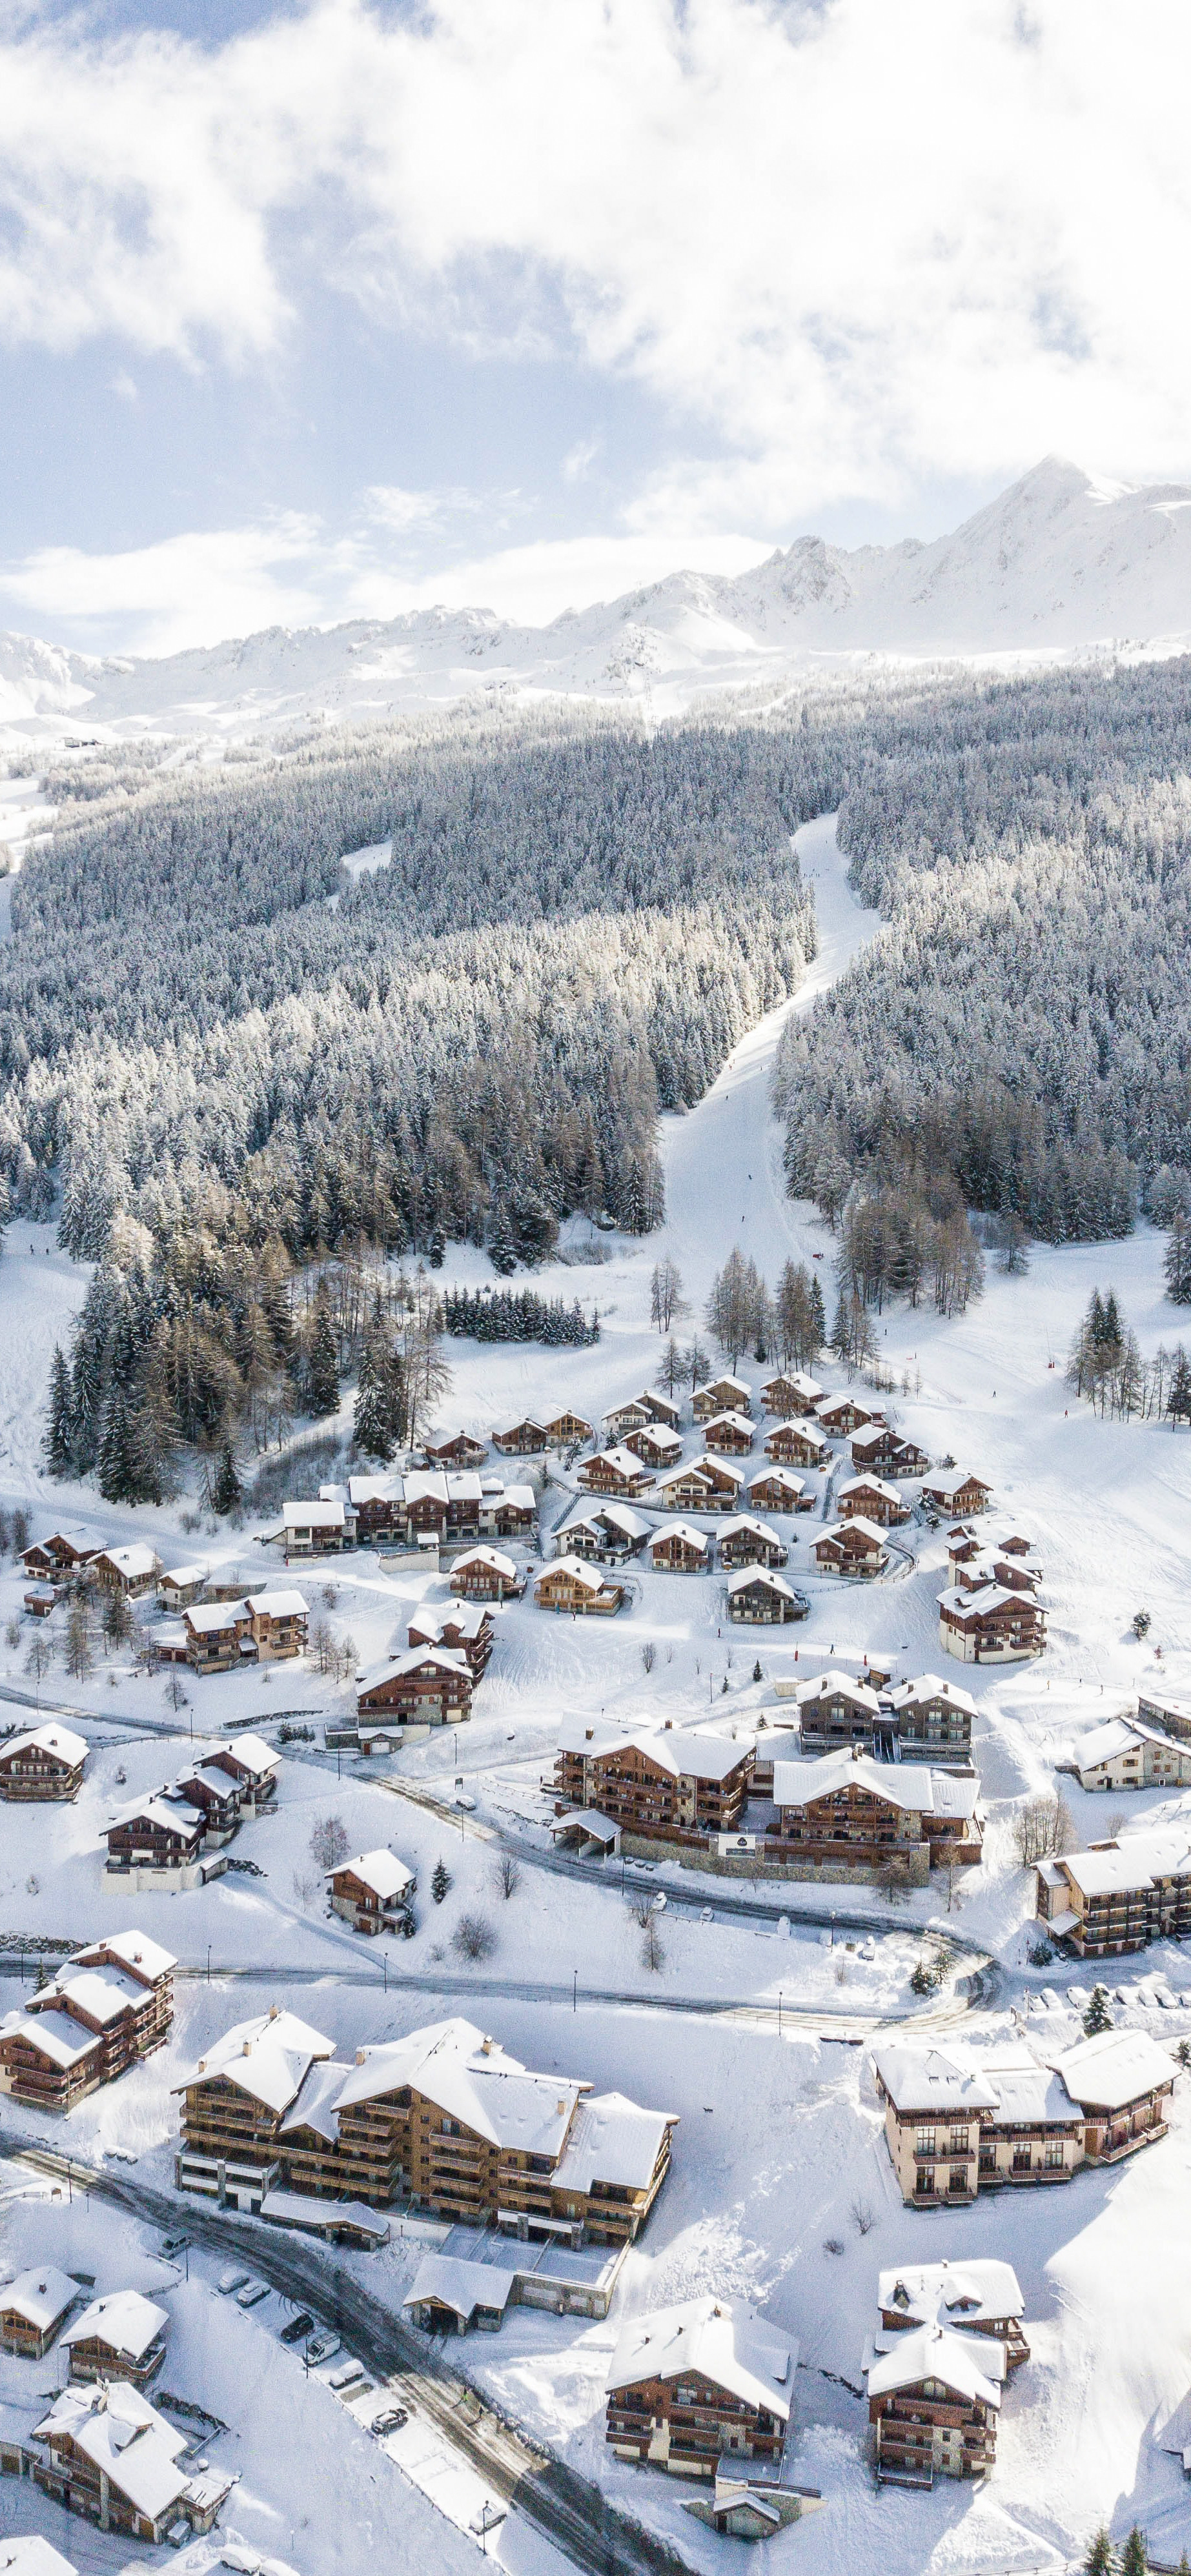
[779, 2140]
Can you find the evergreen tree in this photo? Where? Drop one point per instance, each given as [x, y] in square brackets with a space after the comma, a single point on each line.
[227, 1492]
[1101, 2558]
[322, 1377]
[502, 1251]
[58, 1441]
[117, 1462]
[1135, 2557]
[1177, 1259]
[818, 1318]
[1178, 1401]
[440, 1881]
[1097, 2016]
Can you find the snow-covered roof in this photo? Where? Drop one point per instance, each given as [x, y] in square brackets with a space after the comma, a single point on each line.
[314, 1515]
[212, 1777]
[173, 1814]
[317, 2102]
[182, 1575]
[381, 1871]
[928, 1686]
[807, 1387]
[468, 2076]
[39, 2297]
[210, 1618]
[856, 1526]
[676, 1475]
[447, 1659]
[256, 1757]
[695, 1754]
[610, 1515]
[134, 1949]
[521, 1498]
[836, 1685]
[744, 1523]
[962, 1604]
[489, 1557]
[27, 2554]
[373, 1489]
[612, 2140]
[104, 1994]
[267, 2058]
[452, 2282]
[124, 2320]
[132, 1562]
[1116, 1736]
[728, 1421]
[751, 1578]
[124, 2437]
[720, 2340]
[805, 1428]
[1135, 1862]
[974, 2290]
[685, 1532]
[870, 1484]
[278, 1605]
[621, 1460]
[1026, 2091]
[716, 1385]
[584, 1575]
[933, 2079]
[778, 1476]
[63, 2041]
[909, 1785]
[954, 1482]
[50, 1738]
[963, 2363]
[1113, 2068]
[719, 1470]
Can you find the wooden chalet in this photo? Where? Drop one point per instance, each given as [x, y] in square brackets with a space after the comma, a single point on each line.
[426, 1688]
[663, 1409]
[792, 1393]
[609, 1536]
[112, 2458]
[616, 1472]
[704, 1485]
[774, 1489]
[120, 2336]
[934, 1714]
[745, 1541]
[632, 1416]
[216, 1632]
[879, 1448]
[525, 1440]
[841, 1415]
[46, 1763]
[565, 1428]
[253, 1765]
[678, 1548]
[854, 1815]
[728, 1435]
[852, 1547]
[509, 1511]
[693, 2385]
[934, 2402]
[104, 2009]
[656, 1783]
[378, 1507]
[159, 1837]
[871, 1496]
[568, 1584]
[979, 2295]
[1125, 1754]
[797, 1444]
[757, 1598]
[216, 1795]
[957, 1491]
[837, 1709]
[991, 1625]
[61, 1557]
[721, 1395]
[33, 2310]
[483, 1574]
[978, 1566]
[373, 1892]
[1122, 2081]
[277, 1624]
[442, 2118]
[179, 1585]
[133, 1571]
[461, 1450]
[322, 1527]
[655, 1445]
[466, 1631]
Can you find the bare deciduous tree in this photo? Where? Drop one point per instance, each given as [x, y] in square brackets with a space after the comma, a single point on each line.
[473, 1937]
[507, 1873]
[329, 1842]
[1041, 1827]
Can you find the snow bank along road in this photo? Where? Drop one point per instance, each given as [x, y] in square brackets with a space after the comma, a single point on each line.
[567, 2509]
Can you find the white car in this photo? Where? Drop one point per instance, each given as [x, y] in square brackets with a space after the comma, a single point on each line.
[322, 2348]
[230, 2282]
[658, 1904]
[252, 2294]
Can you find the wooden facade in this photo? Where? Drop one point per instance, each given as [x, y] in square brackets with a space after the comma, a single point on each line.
[571, 1585]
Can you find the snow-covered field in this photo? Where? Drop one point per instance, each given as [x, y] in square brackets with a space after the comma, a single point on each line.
[779, 2140]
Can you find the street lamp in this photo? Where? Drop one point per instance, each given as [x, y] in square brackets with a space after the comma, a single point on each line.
[575, 1993]
[208, 1963]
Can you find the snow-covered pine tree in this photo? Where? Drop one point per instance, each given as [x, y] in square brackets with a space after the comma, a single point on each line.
[322, 1373]
[1176, 1262]
[227, 1492]
[1097, 2017]
[58, 1441]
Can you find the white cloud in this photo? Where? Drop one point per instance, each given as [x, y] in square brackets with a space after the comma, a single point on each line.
[849, 247]
[533, 583]
[578, 462]
[191, 589]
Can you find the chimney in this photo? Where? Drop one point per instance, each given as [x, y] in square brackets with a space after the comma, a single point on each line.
[361, 2057]
[560, 2107]
[589, 1733]
[485, 2047]
[273, 2011]
[246, 2050]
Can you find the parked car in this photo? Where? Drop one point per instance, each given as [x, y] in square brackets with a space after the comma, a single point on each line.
[174, 2244]
[391, 2421]
[323, 2348]
[231, 2281]
[349, 2377]
[252, 2294]
[302, 2324]
[657, 1904]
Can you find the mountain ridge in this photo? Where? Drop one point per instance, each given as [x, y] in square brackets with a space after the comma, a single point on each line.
[1061, 562]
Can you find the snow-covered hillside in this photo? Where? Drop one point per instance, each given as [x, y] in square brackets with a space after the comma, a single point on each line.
[1058, 563]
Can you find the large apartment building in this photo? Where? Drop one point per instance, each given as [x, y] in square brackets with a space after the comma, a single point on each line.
[656, 1782]
[107, 2006]
[955, 2126]
[444, 2117]
[1120, 1895]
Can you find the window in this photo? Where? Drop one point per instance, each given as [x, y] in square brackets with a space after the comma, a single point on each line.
[924, 2179]
[1053, 2158]
[959, 2178]
[924, 2144]
[957, 2144]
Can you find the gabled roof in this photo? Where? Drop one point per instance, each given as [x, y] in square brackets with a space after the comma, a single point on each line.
[210, 1618]
[257, 1757]
[934, 2078]
[836, 1685]
[135, 1950]
[576, 1571]
[962, 1604]
[27, 2554]
[857, 1526]
[50, 1738]
[805, 1429]
[1113, 2068]
[974, 2290]
[716, 2339]
[313, 1515]
[753, 1578]
[681, 1475]
[927, 1686]
[963, 2363]
[952, 1482]
[40, 2296]
[868, 1483]
[123, 2436]
[446, 1659]
[622, 1461]
[738, 1422]
[1116, 1736]
[719, 1471]
[172, 1814]
[746, 1521]
[1135, 1862]
[683, 1530]
[612, 2140]
[267, 2058]
[908, 1785]
[103, 1994]
[124, 2320]
[381, 1871]
[490, 1557]
[62, 2041]
[132, 1561]
[715, 1385]
[278, 1605]
[774, 1474]
[184, 1574]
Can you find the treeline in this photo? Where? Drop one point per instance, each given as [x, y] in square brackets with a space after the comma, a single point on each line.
[208, 1026]
[1107, 1367]
[1023, 1024]
[516, 1315]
